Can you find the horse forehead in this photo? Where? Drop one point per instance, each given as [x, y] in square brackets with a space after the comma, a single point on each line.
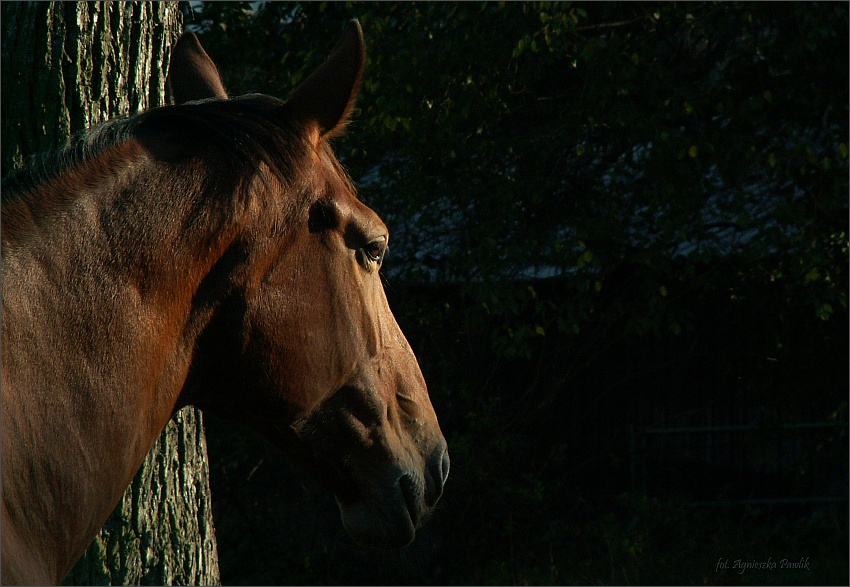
[365, 220]
[342, 192]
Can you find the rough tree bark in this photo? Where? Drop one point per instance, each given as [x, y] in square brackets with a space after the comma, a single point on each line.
[66, 67]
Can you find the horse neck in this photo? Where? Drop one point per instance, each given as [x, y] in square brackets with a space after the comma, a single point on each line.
[98, 333]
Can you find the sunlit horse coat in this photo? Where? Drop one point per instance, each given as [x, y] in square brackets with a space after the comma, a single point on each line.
[209, 253]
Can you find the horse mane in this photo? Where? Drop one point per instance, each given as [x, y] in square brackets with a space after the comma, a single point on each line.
[249, 130]
[78, 148]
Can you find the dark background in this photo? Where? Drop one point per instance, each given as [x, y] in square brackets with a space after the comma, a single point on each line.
[620, 253]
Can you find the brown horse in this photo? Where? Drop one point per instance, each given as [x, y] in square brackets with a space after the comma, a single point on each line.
[209, 253]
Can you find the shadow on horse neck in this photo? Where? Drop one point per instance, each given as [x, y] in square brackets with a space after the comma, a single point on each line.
[112, 266]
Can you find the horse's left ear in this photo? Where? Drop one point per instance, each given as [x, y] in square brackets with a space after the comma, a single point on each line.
[324, 100]
[192, 75]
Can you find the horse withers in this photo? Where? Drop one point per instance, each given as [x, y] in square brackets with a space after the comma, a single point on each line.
[210, 253]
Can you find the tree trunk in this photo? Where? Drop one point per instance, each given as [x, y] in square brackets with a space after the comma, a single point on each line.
[66, 67]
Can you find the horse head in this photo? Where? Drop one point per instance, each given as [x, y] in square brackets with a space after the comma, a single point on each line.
[304, 347]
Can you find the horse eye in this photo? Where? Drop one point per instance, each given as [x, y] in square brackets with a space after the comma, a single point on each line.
[375, 251]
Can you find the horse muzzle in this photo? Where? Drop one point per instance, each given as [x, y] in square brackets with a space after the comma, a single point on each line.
[389, 517]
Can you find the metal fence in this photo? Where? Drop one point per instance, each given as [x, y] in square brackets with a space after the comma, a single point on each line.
[803, 463]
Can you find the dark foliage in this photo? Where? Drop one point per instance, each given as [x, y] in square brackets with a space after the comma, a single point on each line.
[606, 218]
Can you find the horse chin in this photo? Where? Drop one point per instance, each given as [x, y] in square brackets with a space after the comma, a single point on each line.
[375, 526]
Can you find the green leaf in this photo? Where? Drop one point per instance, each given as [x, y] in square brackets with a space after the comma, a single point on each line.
[812, 275]
[824, 312]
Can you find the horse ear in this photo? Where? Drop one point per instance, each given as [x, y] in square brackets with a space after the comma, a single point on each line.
[192, 74]
[324, 100]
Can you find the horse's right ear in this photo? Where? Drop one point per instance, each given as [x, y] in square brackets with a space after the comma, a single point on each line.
[192, 75]
[325, 99]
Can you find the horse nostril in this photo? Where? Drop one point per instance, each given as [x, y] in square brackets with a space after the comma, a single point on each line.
[438, 471]
[446, 464]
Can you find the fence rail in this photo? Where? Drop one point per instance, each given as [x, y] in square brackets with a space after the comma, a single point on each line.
[747, 428]
[665, 450]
